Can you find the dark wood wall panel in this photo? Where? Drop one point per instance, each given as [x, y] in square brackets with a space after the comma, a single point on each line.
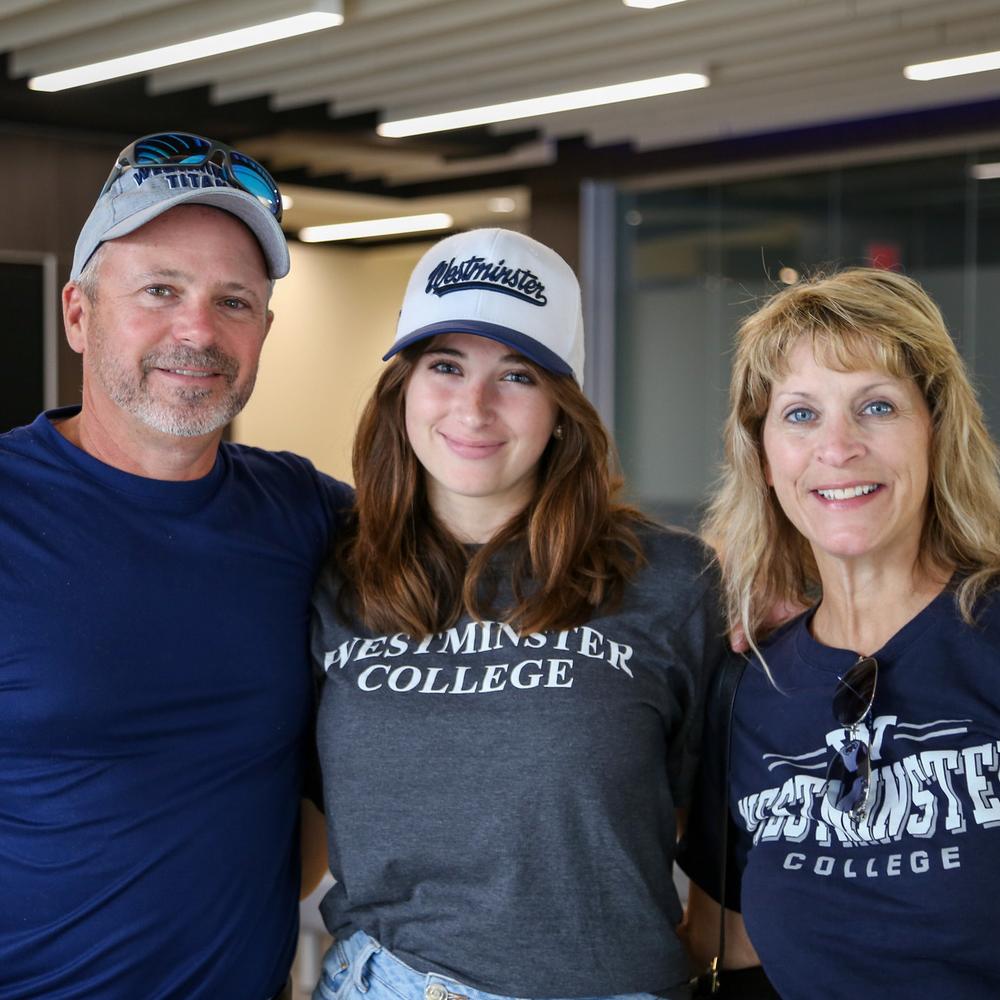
[49, 185]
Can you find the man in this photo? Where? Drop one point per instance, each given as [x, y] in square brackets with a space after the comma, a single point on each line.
[154, 584]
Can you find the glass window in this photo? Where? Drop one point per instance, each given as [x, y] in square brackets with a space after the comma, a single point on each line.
[693, 262]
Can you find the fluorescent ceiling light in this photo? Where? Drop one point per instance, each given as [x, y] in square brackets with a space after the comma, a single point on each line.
[376, 227]
[198, 48]
[980, 63]
[650, 4]
[535, 106]
[501, 205]
[986, 171]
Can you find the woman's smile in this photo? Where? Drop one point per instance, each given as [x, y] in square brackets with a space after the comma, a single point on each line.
[470, 448]
[478, 421]
[847, 455]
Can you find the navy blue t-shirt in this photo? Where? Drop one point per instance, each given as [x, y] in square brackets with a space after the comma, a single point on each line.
[904, 906]
[155, 693]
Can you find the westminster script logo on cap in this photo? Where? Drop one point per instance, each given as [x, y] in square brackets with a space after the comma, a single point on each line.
[475, 272]
[499, 284]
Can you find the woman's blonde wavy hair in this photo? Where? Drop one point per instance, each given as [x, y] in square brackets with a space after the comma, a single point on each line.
[856, 319]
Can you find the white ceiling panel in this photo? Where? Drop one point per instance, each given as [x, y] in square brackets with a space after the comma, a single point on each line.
[308, 105]
[510, 43]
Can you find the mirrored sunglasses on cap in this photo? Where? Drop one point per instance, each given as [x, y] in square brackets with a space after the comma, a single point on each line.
[184, 149]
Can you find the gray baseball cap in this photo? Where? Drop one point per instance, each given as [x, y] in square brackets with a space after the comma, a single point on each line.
[139, 194]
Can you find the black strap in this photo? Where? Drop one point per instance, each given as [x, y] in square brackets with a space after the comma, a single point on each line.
[727, 682]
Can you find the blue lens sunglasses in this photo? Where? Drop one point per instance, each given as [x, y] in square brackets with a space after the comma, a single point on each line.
[183, 149]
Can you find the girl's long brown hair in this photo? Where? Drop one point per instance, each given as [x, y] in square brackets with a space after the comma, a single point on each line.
[569, 553]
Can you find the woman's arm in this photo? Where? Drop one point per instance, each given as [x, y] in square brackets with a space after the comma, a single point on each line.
[315, 862]
[700, 933]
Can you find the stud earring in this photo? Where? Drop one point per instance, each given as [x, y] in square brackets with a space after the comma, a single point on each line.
[558, 432]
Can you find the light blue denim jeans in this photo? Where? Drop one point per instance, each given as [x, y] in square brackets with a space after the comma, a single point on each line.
[361, 969]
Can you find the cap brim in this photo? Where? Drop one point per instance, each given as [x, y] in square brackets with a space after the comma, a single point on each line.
[527, 346]
[245, 207]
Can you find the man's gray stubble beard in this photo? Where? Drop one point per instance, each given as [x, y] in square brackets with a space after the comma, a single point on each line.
[183, 415]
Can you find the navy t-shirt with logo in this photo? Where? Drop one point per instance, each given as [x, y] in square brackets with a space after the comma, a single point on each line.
[905, 904]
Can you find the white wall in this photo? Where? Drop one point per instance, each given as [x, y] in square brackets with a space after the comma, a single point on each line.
[335, 316]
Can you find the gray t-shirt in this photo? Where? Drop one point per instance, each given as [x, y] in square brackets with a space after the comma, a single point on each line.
[501, 808]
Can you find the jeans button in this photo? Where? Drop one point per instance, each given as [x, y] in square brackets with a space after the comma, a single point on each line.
[435, 991]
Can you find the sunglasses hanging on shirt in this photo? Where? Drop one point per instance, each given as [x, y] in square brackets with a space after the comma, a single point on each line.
[848, 781]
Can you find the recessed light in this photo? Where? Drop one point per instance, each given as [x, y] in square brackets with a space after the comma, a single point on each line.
[553, 103]
[982, 62]
[986, 171]
[376, 227]
[650, 4]
[197, 48]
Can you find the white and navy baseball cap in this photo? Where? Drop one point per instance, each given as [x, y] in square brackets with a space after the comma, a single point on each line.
[141, 193]
[502, 285]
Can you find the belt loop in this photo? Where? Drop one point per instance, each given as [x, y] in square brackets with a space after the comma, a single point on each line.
[371, 947]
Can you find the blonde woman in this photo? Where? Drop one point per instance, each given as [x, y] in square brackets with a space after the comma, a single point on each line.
[863, 792]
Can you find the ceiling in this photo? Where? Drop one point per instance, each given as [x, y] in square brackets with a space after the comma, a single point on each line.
[308, 106]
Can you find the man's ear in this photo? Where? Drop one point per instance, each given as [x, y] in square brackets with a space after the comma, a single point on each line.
[76, 309]
[267, 324]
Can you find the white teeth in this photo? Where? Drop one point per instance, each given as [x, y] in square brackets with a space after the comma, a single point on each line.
[849, 493]
[187, 371]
